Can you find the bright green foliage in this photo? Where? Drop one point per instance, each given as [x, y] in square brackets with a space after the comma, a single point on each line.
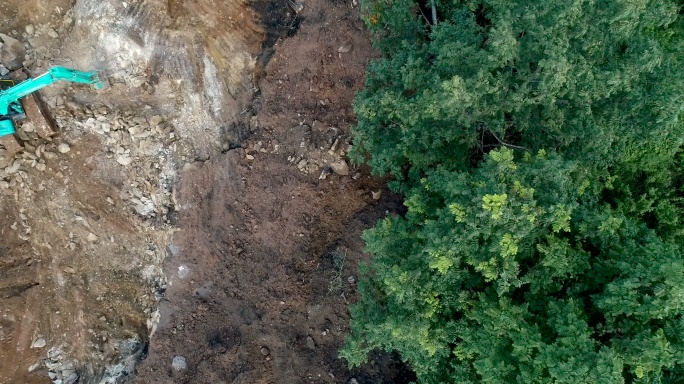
[539, 148]
[540, 283]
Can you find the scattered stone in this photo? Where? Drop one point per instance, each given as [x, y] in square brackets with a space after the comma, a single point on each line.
[39, 343]
[340, 167]
[11, 146]
[22, 135]
[333, 147]
[249, 157]
[92, 237]
[265, 351]
[324, 173]
[63, 148]
[179, 363]
[376, 195]
[353, 381]
[28, 127]
[68, 372]
[155, 120]
[344, 48]
[124, 160]
[12, 53]
[73, 106]
[30, 29]
[52, 33]
[183, 271]
[351, 280]
[310, 343]
[71, 379]
[297, 6]
[3, 70]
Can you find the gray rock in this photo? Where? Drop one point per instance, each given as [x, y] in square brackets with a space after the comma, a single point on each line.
[155, 120]
[124, 160]
[71, 379]
[310, 343]
[39, 343]
[63, 148]
[13, 53]
[179, 363]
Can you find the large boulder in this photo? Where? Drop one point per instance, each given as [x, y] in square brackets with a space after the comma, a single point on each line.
[12, 53]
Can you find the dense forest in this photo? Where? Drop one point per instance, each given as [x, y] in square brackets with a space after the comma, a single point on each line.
[538, 146]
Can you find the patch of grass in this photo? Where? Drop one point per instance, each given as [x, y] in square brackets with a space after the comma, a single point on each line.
[336, 281]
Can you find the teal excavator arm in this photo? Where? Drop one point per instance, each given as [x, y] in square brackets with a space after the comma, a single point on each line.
[10, 107]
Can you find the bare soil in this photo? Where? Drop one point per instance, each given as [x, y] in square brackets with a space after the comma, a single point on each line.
[220, 234]
[272, 249]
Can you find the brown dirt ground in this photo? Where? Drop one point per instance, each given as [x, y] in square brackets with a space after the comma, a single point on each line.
[85, 297]
[263, 241]
[262, 263]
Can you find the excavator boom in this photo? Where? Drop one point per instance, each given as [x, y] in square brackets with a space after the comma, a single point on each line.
[10, 107]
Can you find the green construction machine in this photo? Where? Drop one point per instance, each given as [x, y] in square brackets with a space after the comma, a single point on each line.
[11, 109]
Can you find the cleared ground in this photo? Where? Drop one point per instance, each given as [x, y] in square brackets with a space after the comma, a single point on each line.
[192, 201]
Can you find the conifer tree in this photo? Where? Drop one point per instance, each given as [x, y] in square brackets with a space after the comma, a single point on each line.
[538, 145]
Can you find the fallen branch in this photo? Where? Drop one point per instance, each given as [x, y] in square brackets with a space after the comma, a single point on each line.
[424, 17]
[508, 145]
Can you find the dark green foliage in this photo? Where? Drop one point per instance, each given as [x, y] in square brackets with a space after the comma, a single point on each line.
[588, 78]
[513, 265]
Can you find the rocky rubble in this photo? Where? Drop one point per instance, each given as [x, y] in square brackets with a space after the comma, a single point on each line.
[314, 149]
[60, 369]
[40, 40]
[143, 146]
[12, 53]
[95, 200]
[140, 146]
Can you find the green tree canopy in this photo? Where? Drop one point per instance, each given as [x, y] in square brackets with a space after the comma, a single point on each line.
[518, 272]
[538, 145]
[597, 80]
